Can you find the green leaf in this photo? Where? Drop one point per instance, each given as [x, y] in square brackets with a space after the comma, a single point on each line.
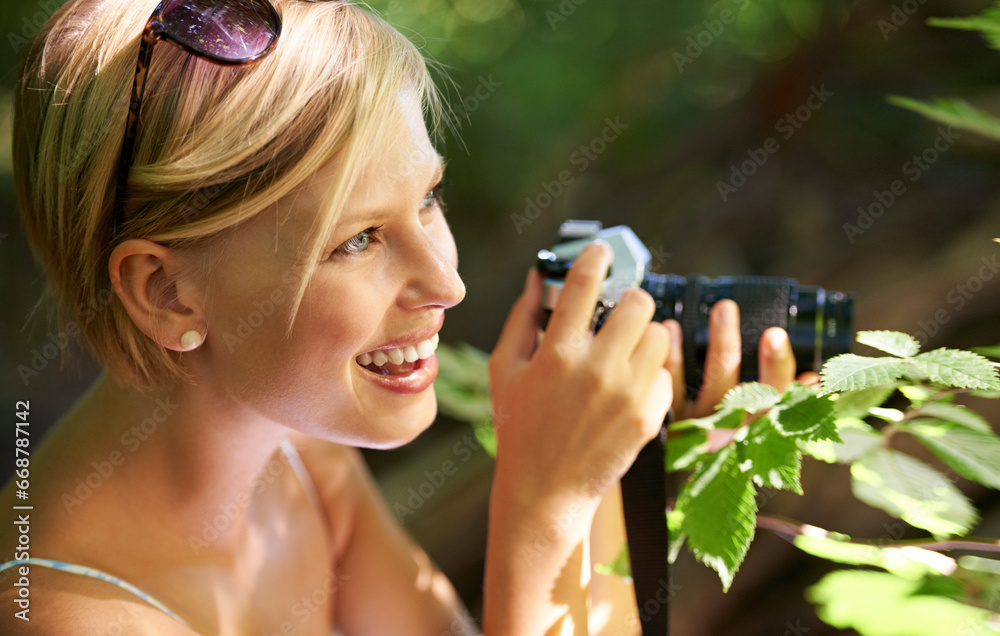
[961, 369]
[856, 438]
[849, 372]
[769, 458]
[675, 540]
[912, 491]
[751, 396]
[972, 453]
[894, 342]
[857, 403]
[953, 112]
[989, 352]
[917, 395]
[725, 418]
[804, 415]
[684, 450]
[880, 604]
[620, 567]
[908, 562]
[720, 514]
[956, 413]
[987, 23]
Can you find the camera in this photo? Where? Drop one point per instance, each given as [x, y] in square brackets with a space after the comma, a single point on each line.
[818, 322]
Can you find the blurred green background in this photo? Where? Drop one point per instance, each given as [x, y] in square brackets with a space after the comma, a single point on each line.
[735, 137]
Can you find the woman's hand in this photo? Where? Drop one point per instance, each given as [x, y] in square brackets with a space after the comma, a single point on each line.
[572, 414]
[722, 366]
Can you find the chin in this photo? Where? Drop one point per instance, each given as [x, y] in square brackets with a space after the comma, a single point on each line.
[400, 427]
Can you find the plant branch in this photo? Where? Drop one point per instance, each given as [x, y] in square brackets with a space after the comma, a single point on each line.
[788, 530]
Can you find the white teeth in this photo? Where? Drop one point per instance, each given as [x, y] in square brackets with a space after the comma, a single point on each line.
[425, 349]
[411, 353]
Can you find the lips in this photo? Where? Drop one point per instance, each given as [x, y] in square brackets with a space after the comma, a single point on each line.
[399, 360]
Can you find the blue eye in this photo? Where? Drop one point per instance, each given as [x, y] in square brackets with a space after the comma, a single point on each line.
[433, 197]
[360, 242]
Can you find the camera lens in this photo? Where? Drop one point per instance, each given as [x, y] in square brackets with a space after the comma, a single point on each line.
[818, 321]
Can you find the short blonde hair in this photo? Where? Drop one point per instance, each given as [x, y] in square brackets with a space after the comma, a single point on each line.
[216, 146]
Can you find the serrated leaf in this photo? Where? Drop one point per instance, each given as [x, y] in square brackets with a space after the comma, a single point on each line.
[675, 519]
[725, 418]
[953, 112]
[961, 369]
[751, 397]
[912, 491]
[856, 438]
[849, 372]
[808, 417]
[973, 454]
[956, 413]
[894, 342]
[720, 514]
[987, 23]
[770, 459]
[989, 352]
[684, 450]
[857, 403]
[881, 604]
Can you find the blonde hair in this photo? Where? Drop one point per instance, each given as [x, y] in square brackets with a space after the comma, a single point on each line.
[216, 146]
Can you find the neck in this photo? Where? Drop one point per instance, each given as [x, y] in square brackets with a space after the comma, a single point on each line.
[188, 452]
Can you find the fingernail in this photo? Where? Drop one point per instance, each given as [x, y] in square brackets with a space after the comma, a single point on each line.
[602, 245]
[725, 313]
[776, 340]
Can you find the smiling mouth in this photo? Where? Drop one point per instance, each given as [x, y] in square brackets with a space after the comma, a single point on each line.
[399, 361]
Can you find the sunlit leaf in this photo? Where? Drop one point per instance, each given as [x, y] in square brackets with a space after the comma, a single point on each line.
[685, 449]
[751, 396]
[961, 369]
[857, 403]
[956, 413]
[881, 604]
[856, 438]
[720, 514]
[894, 342]
[804, 415]
[849, 372]
[912, 491]
[973, 454]
[769, 458]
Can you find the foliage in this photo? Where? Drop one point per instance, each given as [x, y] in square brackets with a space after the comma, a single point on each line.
[845, 420]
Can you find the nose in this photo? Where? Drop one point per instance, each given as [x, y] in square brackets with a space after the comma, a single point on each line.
[431, 269]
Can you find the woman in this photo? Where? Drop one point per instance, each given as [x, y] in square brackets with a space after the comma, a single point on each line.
[263, 277]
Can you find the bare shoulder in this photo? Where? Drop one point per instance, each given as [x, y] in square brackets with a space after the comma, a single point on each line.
[342, 480]
[65, 604]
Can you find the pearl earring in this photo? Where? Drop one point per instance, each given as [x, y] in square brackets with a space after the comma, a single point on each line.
[191, 340]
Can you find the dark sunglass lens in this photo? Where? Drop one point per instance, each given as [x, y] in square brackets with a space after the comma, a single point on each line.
[236, 30]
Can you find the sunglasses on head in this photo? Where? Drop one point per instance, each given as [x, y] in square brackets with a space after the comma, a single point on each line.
[231, 32]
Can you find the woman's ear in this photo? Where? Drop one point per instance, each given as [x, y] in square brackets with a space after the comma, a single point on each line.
[166, 305]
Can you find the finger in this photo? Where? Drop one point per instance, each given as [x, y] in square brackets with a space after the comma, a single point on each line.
[810, 379]
[657, 402]
[675, 365]
[626, 325]
[650, 355]
[517, 338]
[776, 361]
[574, 310]
[722, 362]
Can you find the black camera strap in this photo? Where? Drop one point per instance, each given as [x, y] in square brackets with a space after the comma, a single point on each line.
[644, 497]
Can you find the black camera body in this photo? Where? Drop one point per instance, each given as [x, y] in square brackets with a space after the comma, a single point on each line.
[818, 322]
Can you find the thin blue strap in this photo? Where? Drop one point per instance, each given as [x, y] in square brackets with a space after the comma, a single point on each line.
[96, 574]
